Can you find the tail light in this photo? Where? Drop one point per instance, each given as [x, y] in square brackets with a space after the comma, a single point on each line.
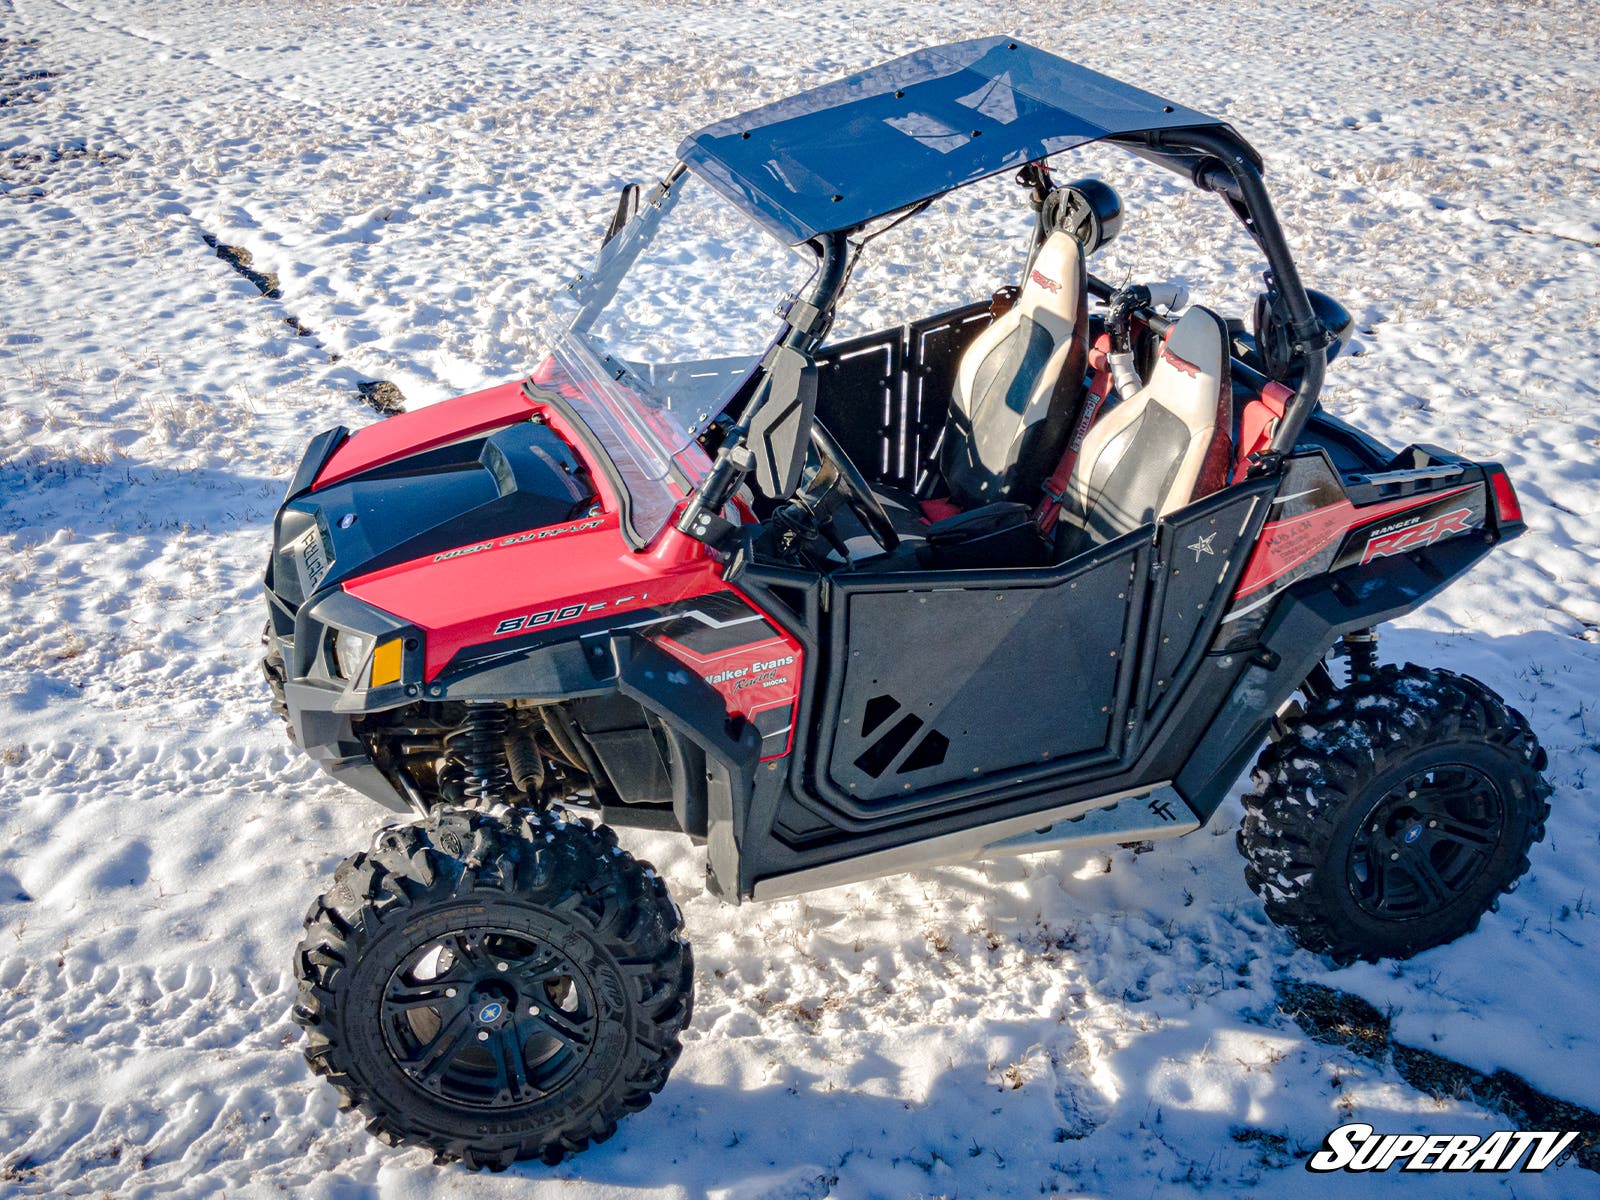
[1506, 507]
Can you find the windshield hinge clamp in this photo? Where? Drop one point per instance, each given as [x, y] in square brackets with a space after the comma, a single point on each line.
[806, 317]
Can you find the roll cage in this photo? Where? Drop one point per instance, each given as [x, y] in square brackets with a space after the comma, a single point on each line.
[823, 166]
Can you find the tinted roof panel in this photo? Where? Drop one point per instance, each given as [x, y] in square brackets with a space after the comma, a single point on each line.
[873, 143]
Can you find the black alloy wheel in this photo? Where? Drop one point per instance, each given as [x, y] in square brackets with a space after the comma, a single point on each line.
[1425, 842]
[1392, 814]
[494, 988]
[489, 1017]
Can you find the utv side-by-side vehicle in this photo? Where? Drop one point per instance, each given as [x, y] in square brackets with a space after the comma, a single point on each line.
[1041, 572]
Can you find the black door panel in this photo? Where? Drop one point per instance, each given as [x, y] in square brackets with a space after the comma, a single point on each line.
[943, 684]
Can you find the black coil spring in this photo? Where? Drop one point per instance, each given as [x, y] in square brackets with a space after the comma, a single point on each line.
[1361, 649]
[480, 743]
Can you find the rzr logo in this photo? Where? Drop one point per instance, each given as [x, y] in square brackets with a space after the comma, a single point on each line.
[1188, 368]
[1416, 536]
[1048, 284]
[1358, 1147]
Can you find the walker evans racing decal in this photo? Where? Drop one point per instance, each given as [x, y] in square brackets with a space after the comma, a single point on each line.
[754, 667]
[1358, 1147]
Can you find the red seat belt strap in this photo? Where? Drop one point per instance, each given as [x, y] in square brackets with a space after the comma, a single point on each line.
[1055, 488]
[1257, 423]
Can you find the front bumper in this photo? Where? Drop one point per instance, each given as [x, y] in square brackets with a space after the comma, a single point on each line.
[323, 707]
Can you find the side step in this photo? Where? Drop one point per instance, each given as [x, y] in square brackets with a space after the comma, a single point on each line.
[1138, 815]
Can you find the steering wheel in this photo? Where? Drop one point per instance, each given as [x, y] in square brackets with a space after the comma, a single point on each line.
[851, 487]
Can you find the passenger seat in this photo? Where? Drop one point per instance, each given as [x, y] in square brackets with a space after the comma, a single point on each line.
[1168, 444]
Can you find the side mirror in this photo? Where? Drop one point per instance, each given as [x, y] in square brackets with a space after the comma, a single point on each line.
[780, 430]
[627, 210]
[1272, 338]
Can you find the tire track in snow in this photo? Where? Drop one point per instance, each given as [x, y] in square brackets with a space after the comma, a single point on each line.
[250, 1113]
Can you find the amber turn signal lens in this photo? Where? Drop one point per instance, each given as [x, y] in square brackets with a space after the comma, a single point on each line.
[386, 663]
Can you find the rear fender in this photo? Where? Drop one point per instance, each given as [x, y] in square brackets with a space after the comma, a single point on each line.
[1285, 641]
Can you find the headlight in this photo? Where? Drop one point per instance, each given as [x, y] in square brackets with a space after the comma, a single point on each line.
[350, 651]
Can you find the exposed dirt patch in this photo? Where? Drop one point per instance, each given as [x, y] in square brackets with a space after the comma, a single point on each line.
[20, 82]
[242, 261]
[1337, 1018]
[27, 171]
[266, 282]
[383, 396]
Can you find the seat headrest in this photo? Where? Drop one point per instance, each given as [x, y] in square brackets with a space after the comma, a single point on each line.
[1194, 357]
[1055, 281]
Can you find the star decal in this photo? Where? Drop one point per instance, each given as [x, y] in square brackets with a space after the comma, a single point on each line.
[1201, 546]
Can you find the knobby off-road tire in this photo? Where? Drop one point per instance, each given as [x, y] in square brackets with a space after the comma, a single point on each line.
[1393, 814]
[494, 988]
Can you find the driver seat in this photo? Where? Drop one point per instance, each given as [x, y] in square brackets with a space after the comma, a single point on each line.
[1019, 385]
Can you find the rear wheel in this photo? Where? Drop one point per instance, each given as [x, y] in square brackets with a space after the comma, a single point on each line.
[1393, 814]
[494, 989]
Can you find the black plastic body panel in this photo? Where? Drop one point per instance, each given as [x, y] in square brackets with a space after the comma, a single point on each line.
[885, 396]
[800, 819]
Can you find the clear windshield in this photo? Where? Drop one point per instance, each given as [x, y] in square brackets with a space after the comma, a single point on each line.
[676, 314]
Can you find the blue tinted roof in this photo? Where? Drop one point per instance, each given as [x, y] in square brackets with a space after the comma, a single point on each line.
[839, 155]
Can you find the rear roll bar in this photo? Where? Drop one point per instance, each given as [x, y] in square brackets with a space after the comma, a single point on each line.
[1229, 170]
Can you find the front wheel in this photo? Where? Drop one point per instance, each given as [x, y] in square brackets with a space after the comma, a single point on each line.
[1393, 814]
[494, 989]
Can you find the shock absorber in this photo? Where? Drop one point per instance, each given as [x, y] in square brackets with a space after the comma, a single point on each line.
[1361, 654]
[480, 744]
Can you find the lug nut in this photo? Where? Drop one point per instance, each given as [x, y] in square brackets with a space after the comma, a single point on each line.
[483, 1035]
[500, 966]
[1433, 824]
[1393, 855]
[533, 1009]
[450, 993]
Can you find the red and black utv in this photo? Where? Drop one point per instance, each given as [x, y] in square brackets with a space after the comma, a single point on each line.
[1041, 572]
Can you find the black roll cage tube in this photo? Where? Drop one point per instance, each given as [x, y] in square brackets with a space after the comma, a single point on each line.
[1230, 170]
[808, 319]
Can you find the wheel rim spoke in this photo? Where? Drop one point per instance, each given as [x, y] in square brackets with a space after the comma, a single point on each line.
[543, 964]
[510, 1068]
[463, 951]
[423, 995]
[1378, 881]
[571, 1029]
[1429, 882]
[454, 1036]
[1462, 834]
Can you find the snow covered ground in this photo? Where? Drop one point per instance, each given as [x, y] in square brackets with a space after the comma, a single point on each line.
[414, 174]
